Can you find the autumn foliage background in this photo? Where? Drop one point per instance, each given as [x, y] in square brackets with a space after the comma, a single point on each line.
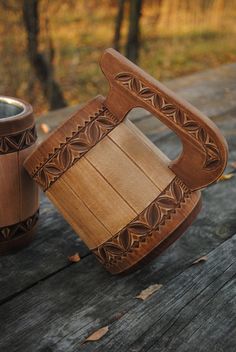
[177, 37]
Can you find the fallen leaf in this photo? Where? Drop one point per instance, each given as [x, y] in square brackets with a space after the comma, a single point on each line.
[233, 164]
[45, 128]
[225, 177]
[200, 260]
[75, 258]
[97, 335]
[143, 295]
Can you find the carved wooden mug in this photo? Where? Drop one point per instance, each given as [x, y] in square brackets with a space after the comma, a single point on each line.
[118, 191]
[18, 192]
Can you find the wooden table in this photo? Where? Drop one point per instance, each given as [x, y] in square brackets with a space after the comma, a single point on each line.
[49, 304]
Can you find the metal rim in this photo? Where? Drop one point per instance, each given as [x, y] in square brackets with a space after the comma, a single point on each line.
[24, 107]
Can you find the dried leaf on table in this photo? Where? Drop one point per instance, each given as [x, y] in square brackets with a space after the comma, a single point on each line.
[45, 128]
[143, 295]
[97, 335]
[225, 177]
[200, 260]
[75, 258]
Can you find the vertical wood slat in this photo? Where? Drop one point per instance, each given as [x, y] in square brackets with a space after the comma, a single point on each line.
[74, 210]
[99, 196]
[147, 141]
[9, 189]
[29, 195]
[18, 192]
[109, 190]
[123, 174]
[143, 153]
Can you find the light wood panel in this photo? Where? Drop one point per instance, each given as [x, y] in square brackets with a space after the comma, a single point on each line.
[147, 141]
[9, 190]
[143, 153]
[99, 196]
[74, 210]
[29, 192]
[122, 173]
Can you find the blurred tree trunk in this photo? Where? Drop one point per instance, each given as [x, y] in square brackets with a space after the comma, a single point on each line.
[133, 41]
[118, 24]
[42, 67]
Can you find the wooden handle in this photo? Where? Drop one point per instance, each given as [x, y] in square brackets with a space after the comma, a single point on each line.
[204, 155]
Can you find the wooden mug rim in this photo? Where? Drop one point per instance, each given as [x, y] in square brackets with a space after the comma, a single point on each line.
[26, 107]
[19, 122]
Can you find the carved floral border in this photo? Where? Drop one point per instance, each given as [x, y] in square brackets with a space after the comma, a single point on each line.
[179, 116]
[12, 231]
[114, 254]
[18, 141]
[81, 141]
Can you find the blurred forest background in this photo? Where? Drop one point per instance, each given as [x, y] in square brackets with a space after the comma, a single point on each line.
[50, 49]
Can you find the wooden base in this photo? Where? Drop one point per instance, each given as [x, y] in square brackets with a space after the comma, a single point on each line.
[159, 225]
[168, 241]
[13, 246]
[22, 235]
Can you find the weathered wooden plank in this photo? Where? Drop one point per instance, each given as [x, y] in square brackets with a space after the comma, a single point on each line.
[48, 253]
[213, 90]
[60, 312]
[194, 312]
[55, 240]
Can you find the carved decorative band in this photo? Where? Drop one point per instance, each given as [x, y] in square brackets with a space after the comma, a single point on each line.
[173, 112]
[11, 232]
[75, 146]
[143, 233]
[18, 141]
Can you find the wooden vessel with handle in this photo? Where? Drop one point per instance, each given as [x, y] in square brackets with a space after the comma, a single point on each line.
[119, 192]
[19, 202]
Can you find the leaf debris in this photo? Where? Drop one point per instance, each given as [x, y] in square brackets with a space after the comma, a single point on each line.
[147, 292]
[200, 260]
[225, 177]
[98, 334]
[45, 128]
[75, 258]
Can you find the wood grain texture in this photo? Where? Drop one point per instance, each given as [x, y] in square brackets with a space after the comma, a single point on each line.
[199, 303]
[122, 174]
[77, 213]
[142, 152]
[9, 189]
[29, 192]
[100, 198]
[48, 253]
[49, 304]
